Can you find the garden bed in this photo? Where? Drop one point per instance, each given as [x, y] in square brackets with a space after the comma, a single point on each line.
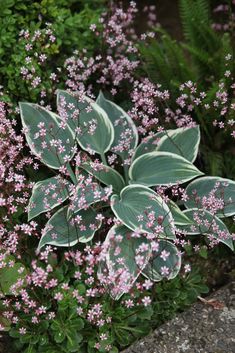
[117, 172]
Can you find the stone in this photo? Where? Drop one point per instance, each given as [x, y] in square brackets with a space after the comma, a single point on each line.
[207, 327]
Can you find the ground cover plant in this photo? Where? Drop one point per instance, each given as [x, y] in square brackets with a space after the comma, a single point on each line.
[107, 212]
[41, 34]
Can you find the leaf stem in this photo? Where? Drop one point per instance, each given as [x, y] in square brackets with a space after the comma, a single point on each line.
[103, 158]
[126, 173]
[71, 174]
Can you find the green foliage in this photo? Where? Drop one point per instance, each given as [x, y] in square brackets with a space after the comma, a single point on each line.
[10, 273]
[70, 332]
[136, 204]
[71, 21]
[199, 57]
[207, 48]
[165, 62]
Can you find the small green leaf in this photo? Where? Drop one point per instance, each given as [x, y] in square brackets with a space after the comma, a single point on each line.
[164, 263]
[9, 275]
[48, 194]
[141, 209]
[162, 168]
[59, 336]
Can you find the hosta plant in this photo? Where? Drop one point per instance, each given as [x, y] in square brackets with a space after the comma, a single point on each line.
[121, 193]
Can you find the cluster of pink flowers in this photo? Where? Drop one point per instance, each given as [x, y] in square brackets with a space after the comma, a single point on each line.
[38, 51]
[118, 58]
[114, 69]
[224, 14]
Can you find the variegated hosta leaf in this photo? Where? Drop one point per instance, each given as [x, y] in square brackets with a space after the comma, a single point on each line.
[67, 106]
[126, 134]
[48, 194]
[59, 231]
[162, 168]
[212, 193]
[207, 224]
[142, 210]
[179, 217]
[165, 262]
[105, 174]
[95, 132]
[125, 257]
[149, 144]
[51, 142]
[182, 141]
[86, 195]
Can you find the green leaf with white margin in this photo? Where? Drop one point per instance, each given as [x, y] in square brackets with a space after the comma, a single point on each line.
[149, 144]
[142, 210]
[162, 168]
[61, 232]
[164, 263]
[96, 130]
[86, 195]
[68, 109]
[51, 143]
[105, 174]
[182, 141]
[122, 244]
[200, 192]
[209, 225]
[179, 217]
[48, 194]
[126, 134]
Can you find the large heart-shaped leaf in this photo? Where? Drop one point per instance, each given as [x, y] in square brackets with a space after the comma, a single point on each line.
[162, 168]
[149, 144]
[207, 224]
[164, 263]
[48, 194]
[126, 134]
[141, 209]
[212, 192]
[105, 174]
[126, 256]
[47, 139]
[86, 195]
[96, 132]
[59, 231]
[183, 141]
